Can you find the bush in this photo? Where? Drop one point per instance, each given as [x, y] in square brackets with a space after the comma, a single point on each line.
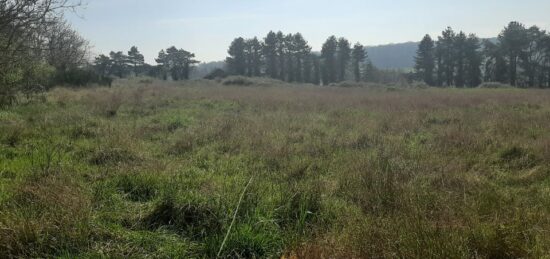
[237, 80]
[348, 84]
[494, 85]
[216, 74]
[80, 77]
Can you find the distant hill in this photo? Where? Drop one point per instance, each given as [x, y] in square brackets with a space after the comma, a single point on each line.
[393, 56]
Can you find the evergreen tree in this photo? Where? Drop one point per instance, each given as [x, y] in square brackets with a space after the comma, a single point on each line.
[459, 44]
[438, 52]
[473, 61]
[253, 57]
[343, 57]
[302, 56]
[308, 68]
[270, 53]
[446, 66]
[236, 62]
[495, 65]
[424, 60]
[531, 59]
[290, 57]
[358, 57]
[136, 60]
[103, 65]
[371, 72]
[513, 39]
[316, 78]
[119, 64]
[281, 53]
[256, 56]
[177, 62]
[163, 65]
[328, 56]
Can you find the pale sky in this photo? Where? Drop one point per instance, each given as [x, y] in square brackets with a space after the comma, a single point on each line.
[207, 27]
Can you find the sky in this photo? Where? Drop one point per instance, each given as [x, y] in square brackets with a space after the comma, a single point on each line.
[207, 27]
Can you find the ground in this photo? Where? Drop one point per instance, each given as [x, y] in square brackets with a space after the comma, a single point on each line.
[157, 169]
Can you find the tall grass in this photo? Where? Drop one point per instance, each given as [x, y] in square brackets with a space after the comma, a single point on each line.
[156, 169]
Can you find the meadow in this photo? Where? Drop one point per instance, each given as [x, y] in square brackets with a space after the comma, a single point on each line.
[260, 168]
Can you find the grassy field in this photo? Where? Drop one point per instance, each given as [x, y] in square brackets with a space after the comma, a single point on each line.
[152, 169]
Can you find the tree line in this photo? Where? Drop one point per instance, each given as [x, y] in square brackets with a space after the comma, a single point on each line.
[172, 63]
[519, 56]
[289, 57]
[39, 49]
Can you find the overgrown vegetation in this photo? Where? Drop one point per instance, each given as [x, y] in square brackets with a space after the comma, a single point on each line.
[156, 169]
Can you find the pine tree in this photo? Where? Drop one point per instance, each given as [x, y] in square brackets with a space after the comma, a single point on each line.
[459, 44]
[438, 52]
[513, 39]
[281, 53]
[290, 58]
[253, 57]
[473, 61]
[531, 59]
[358, 57]
[119, 64]
[102, 65]
[316, 78]
[136, 60]
[163, 65]
[424, 60]
[343, 57]
[371, 72]
[256, 57]
[177, 62]
[328, 56]
[308, 68]
[302, 51]
[270, 53]
[236, 62]
[445, 45]
[495, 66]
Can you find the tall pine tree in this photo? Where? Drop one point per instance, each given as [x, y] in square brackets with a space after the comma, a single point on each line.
[328, 56]
[358, 57]
[236, 62]
[343, 57]
[425, 60]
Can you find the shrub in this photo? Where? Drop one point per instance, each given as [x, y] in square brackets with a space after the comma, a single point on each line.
[237, 80]
[80, 77]
[216, 74]
[494, 85]
[347, 84]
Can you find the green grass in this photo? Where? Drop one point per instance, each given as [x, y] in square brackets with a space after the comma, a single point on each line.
[157, 170]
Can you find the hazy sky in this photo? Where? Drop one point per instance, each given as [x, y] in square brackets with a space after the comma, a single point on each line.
[206, 27]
